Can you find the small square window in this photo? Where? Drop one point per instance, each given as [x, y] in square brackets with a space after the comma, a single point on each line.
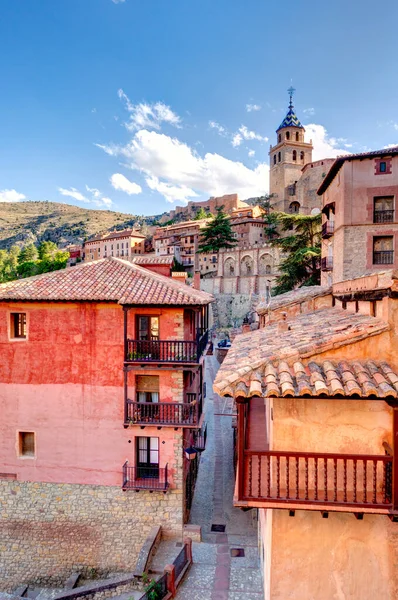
[18, 325]
[383, 167]
[26, 444]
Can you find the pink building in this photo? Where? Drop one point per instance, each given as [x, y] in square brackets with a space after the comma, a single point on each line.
[360, 223]
[101, 391]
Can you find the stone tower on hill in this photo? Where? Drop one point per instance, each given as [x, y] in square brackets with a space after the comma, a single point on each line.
[287, 159]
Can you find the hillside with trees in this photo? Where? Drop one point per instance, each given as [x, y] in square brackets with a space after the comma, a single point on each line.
[25, 223]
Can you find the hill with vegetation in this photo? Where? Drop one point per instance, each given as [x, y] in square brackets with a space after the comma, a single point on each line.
[24, 223]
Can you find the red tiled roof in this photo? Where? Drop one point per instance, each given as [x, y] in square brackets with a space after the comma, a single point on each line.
[310, 334]
[151, 259]
[363, 379]
[338, 163]
[113, 235]
[108, 279]
[294, 296]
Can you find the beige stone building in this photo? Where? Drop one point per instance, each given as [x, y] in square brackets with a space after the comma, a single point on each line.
[360, 223]
[230, 202]
[123, 243]
[247, 270]
[180, 240]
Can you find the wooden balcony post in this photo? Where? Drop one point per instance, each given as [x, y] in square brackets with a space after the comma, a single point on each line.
[125, 375]
[395, 459]
[125, 313]
[241, 405]
[171, 579]
[188, 549]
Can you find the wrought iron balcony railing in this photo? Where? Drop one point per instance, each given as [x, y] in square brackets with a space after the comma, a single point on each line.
[327, 229]
[354, 481]
[383, 216]
[383, 257]
[327, 264]
[170, 351]
[163, 413]
[145, 478]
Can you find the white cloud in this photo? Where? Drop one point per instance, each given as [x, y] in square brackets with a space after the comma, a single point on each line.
[11, 196]
[171, 192]
[391, 145]
[236, 140]
[251, 107]
[251, 152]
[221, 130]
[96, 193]
[167, 160]
[251, 135]
[96, 196]
[324, 146]
[73, 193]
[245, 134]
[395, 125]
[120, 182]
[145, 115]
[309, 111]
[118, 1]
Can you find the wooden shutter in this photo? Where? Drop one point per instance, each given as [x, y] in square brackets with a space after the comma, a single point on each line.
[147, 383]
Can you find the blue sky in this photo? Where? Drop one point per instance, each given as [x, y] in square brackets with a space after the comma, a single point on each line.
[139, 105]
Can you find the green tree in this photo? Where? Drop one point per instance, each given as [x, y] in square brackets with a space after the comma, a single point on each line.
[201, 214]
[217, 233]
[47, 250]
[177, 266]
[300, 265]
[29, 253]
[270, 217]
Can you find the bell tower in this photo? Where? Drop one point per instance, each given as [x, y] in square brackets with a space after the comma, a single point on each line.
[287, 158]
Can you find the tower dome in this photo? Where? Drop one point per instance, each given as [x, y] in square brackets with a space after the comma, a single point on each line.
[291, 119]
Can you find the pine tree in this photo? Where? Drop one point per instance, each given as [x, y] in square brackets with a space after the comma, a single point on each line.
[201, 214]
[217, 234]
[302, 250]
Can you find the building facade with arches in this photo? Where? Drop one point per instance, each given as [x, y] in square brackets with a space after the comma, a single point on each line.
[246, 270]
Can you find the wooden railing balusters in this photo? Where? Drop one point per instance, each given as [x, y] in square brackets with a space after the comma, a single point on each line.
[325, 477]
[287, 477]
[259, 476]
[306, 477]
[311, 486]
[355, 480]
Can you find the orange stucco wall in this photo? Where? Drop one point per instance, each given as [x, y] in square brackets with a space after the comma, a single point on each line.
[65, 384]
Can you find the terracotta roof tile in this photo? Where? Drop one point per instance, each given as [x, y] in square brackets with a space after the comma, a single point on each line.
[108, 279]
[294, 297]
[287, 363]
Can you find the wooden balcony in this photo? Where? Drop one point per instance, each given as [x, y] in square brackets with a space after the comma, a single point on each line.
[162, 351]
[317, 481]
[164, 414]
[153, 479]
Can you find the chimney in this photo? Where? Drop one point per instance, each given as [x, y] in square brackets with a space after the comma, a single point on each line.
[283, 324]
[196, 280]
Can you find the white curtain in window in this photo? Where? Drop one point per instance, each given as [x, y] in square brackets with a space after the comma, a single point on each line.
[155, 396]
[141, 396]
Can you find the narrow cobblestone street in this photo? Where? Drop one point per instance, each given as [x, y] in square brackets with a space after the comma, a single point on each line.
[216, 574]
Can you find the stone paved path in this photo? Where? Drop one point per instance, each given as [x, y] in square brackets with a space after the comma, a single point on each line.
[215, 574]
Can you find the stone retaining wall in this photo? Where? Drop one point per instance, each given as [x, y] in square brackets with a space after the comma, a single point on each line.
[48, 530]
